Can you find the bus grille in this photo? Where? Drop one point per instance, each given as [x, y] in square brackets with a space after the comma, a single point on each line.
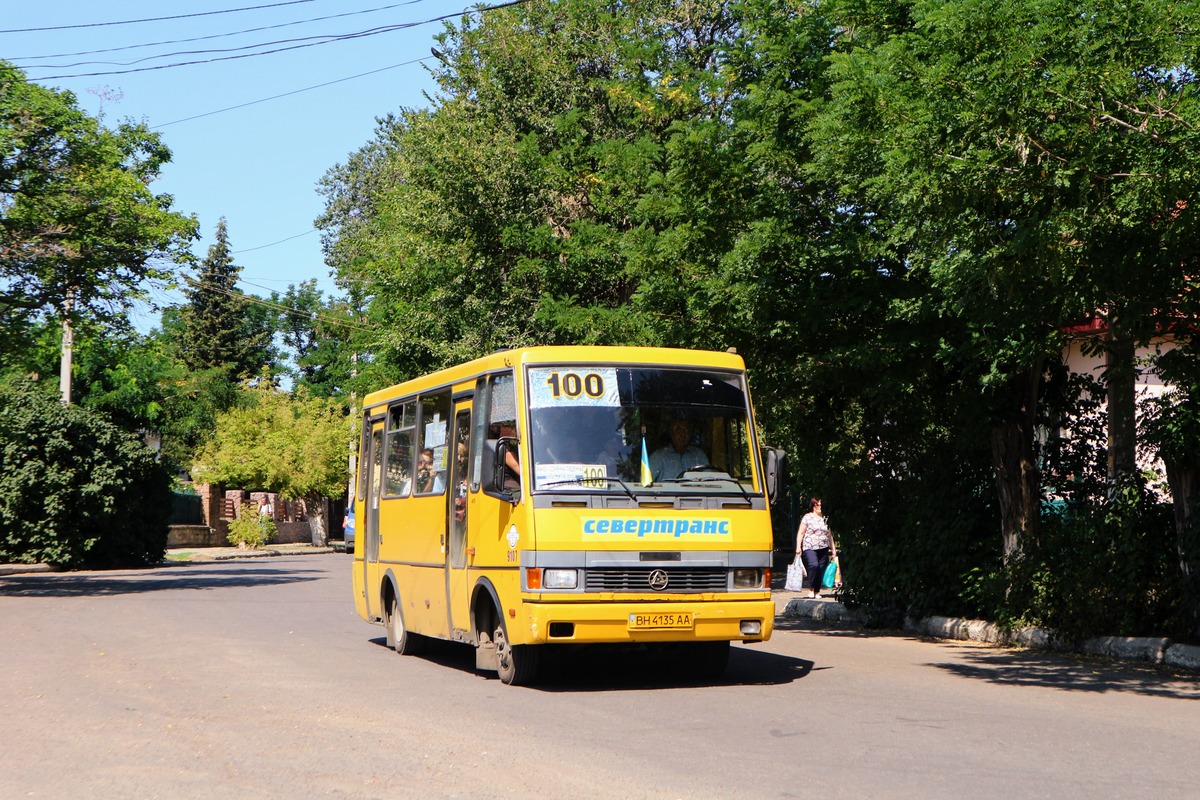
[637, 579]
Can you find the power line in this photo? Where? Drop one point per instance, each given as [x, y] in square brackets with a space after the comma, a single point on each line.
[281, 241]
[16, 59]
[324, 40]
[250, 298]
[152, 19]
[287, 94]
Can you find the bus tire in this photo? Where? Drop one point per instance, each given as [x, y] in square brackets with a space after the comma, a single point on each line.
[518, 664]
[399, 638]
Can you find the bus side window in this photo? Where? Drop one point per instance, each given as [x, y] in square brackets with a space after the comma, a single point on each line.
[402, 420]
[434, 432]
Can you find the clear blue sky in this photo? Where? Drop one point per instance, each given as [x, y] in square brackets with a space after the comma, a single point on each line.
[258, 165]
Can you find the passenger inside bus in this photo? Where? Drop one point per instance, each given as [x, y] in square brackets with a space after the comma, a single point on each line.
[512, 463]
[673, 459]
[425, 472]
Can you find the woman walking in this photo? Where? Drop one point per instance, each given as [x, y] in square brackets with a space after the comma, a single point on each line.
[815, 543]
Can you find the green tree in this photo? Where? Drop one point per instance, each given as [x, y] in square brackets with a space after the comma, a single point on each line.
[291, 444]
[221, 328]
[1173, 429]
[1024, 162]
[80, 230]
[322, 336]
[523, 207]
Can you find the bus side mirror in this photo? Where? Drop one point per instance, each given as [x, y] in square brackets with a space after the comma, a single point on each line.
[773, 469]
[497, 481]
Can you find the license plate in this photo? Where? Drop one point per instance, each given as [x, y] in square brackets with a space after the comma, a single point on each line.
[657, 621]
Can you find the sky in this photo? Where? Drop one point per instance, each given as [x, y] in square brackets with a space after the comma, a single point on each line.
[240, 150]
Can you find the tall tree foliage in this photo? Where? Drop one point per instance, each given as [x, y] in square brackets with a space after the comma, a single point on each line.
[1026, 160]
[321, 336]
[77, 217]
[221, 328]
[525, 206]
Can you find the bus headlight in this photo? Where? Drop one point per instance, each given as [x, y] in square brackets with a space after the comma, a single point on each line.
[747, 579]
[560, 578]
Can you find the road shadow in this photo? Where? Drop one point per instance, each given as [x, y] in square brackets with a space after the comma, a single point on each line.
[92, 584]
[1074, 673]
[598, 668]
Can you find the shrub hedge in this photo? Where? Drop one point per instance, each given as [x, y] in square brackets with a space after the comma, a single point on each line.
[76, 490]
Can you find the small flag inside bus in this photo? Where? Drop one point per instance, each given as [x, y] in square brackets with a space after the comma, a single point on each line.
[647, 478]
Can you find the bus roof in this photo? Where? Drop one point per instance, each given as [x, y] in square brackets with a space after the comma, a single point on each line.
[561, 354]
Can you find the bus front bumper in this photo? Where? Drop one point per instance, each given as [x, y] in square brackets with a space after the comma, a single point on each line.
[659, 621]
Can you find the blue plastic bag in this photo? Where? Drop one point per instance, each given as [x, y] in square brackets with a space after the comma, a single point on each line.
[833, 575]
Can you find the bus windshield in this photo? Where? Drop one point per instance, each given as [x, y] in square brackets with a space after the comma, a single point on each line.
[639, 429]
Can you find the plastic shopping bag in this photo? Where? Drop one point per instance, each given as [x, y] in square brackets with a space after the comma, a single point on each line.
[833, 574]
[795, 575]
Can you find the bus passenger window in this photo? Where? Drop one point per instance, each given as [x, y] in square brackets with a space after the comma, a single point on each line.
[402, 420]
[434, 433]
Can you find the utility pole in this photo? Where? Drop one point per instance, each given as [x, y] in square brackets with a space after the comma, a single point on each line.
[352, 462]
[68, 349]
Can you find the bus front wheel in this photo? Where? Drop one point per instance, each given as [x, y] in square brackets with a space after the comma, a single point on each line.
[518, 664]
[399, 637]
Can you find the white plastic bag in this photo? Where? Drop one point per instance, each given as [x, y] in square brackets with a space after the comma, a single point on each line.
[795, 575]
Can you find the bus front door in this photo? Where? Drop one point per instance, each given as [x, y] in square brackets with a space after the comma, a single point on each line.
[370, 525]
[458, 499]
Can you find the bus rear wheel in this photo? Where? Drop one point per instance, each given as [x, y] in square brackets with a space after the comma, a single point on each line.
[518, 664]
[399, 638]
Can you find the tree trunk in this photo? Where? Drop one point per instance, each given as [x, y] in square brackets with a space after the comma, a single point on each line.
[1121, 378]
[66, 361]
[1018, 484]
[317, 509]
[1184, 480]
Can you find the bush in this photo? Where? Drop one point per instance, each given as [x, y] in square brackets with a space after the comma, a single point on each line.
[1103, 568]
[251, 529]
[75, 490]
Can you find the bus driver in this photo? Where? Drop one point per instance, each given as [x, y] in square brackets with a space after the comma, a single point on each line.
[672, 460]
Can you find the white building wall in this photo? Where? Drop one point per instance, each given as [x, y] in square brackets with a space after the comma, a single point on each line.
[1149, 386]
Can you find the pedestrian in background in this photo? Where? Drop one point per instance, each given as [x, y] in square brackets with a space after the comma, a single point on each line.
[815, 544]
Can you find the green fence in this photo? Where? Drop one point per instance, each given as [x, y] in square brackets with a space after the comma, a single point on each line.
[186, 509]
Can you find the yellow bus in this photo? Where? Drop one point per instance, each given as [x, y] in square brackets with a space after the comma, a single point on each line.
[553, 496]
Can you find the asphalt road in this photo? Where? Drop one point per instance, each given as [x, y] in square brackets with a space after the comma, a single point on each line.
[255, 679]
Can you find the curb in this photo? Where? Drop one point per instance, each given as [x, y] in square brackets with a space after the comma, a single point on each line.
[273, 553]
[19, 569]
[238, 555]
[1154, 650]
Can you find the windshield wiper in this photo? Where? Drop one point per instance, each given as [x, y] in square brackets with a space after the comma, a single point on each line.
[582, 480]
[728, 478]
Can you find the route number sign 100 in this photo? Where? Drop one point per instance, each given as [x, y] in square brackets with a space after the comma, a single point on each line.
[572, 385]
